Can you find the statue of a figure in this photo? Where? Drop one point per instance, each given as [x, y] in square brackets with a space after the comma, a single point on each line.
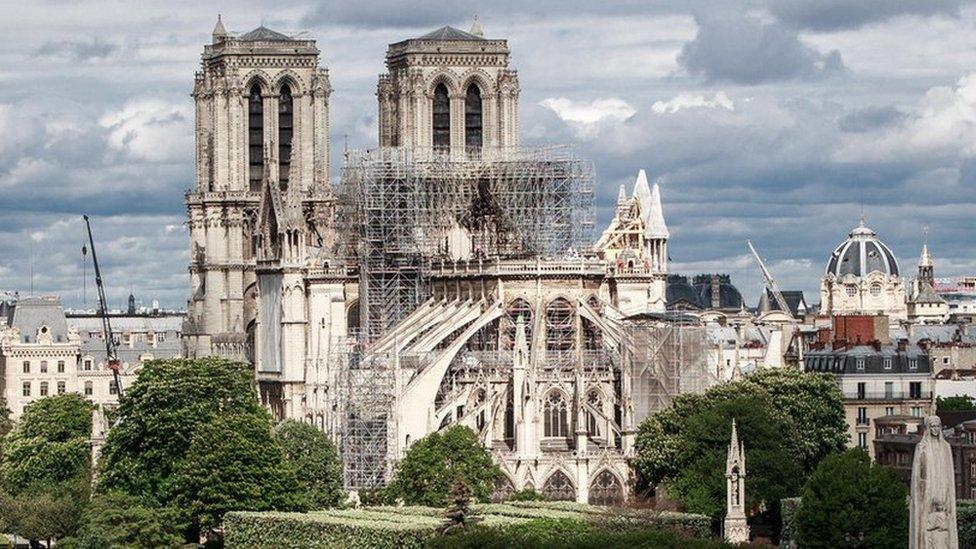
[932, 517]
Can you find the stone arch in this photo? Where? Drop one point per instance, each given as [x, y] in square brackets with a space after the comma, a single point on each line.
[446, 77]
[606, 489]
[559, 487]
[287, 76]
[259, 77]
[503, 489]
[480, 78]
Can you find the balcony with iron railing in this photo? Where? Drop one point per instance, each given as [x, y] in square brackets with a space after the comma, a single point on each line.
[887, 395]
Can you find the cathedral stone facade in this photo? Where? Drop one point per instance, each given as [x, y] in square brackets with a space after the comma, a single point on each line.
[538, 347]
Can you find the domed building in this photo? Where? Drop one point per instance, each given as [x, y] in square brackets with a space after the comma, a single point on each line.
[863, 278]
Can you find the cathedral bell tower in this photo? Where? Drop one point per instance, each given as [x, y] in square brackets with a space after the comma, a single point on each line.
[262, 118]
[449, 91]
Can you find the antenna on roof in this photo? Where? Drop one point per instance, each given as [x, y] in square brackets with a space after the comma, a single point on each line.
[862, 208]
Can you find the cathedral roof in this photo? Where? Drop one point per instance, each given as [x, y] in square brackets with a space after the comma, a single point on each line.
[450, 33]
[860, 254]
[264, 34]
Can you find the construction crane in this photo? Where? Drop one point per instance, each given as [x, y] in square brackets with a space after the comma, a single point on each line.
[770, 283]
[111, 352]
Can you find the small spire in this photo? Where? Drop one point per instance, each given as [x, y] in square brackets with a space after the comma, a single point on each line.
[476, 28]
[622, 200]
[926, 258]
[219, 32]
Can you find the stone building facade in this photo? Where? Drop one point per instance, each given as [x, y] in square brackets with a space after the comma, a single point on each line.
[876, 381]
[262, 114]
[538, 353]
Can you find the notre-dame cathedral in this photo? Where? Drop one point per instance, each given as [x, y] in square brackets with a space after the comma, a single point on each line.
[451, 277]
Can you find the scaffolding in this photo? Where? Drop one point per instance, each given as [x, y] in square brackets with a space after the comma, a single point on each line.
[667, 357]
[402, 208]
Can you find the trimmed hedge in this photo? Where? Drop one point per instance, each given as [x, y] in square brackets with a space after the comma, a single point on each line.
[787, 509]
[276, 529]
[413, 526]
[966, 520]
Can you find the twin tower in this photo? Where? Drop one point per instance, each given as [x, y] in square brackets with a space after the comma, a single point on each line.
[262, 136]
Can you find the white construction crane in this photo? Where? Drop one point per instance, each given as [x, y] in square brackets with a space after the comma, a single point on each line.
[770, 283]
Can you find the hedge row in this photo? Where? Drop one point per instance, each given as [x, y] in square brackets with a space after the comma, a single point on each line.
[965, 520]
[409, 527]
[276, 529]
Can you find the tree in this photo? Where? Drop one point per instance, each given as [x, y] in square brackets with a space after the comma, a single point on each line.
[957, 403]
[120, 520]
[459, 513]
[773, 470]
[158, 416]
[849, 502]
[433, 463]
[46, 468]
[234, 463]
[815, 404]
[811, 404]
[315, 460]
[50, 446]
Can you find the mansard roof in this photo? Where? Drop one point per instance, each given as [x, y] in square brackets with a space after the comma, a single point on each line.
[450, 33]
[264, 34]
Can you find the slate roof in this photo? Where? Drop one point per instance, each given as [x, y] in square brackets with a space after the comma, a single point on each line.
[862, 253]
[927, 295]
[846, 361]
[680, 290]
[31, 313]
[793, 300]
[449, 33]
[264, 34]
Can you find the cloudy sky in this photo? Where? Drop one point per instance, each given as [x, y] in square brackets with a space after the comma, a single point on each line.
[761, 119]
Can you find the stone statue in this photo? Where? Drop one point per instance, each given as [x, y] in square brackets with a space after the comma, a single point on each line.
[932, 517]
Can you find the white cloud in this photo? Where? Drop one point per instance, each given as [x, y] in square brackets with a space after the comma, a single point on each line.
[943, 124]
[586, 118]
[691, 101]
[589, 113]
[151, 129]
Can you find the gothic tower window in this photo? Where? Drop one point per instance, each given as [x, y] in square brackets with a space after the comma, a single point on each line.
[285, 133]
[255, 137]
[442, 118]
[472, 119]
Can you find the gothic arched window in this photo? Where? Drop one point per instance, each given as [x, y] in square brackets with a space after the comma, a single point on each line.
[558, 487]
[442, 118]
[472, 118]
[606, 489]
[556, 416]
[255, 137]
[285, 133]
[560, 325]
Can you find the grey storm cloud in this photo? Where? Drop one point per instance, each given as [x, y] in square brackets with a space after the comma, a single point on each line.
[870, 118]
[106, 129]
[746, 50]
[78, 50]
[825, 15]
